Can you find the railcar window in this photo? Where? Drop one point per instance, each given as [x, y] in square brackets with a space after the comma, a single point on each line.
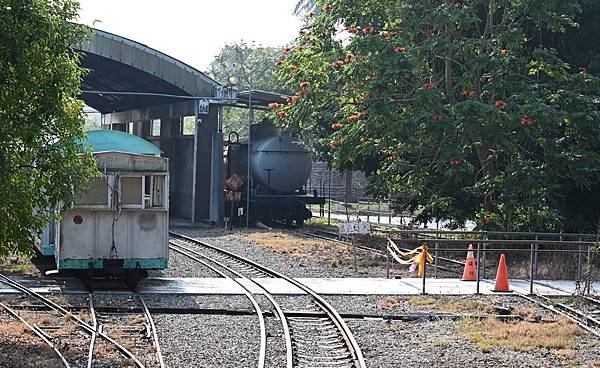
[96, 194]
[131, 191]
[158, 188]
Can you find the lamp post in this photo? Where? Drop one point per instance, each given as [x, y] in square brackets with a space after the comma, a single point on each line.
[249, 173]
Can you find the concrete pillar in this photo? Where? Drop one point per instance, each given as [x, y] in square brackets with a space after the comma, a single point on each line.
[206, 125]
[217, 186]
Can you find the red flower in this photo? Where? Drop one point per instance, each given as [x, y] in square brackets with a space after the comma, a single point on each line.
[279, 63]
[489, 78]
[334, 143]
[295, 98]
[350, 58]
[361, 114]
[352, 118]
[369, 30]
[468, 93]
[336, 126]
[304, 84]
[362, 139]
[458, 5]
[454, 162]
[501, 104]
[352, 30]
[372, 74]
[437, 117]
[302, 92]
[428, 86]
[526, 121]
[367, 96]
[326, 8]
[283, 114]
[337, 64]
[310, 14]
[387, 34]
[504, 51]
[391, 158]
[287, 50]
[400, 50]
[487, 220]
[275, 105]
[582, 69]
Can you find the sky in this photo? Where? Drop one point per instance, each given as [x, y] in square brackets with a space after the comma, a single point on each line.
[194, 31]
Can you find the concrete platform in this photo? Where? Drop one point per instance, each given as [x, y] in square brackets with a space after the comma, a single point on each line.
[325, 286]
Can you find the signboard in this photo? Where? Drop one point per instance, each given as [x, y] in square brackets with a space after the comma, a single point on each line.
[203, 106]
[355, 228]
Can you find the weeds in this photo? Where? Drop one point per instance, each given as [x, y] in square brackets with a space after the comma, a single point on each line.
[519, 336]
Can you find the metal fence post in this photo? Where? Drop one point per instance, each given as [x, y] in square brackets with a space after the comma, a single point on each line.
[387, 261]
[580, 261]
[478, 259]
[424, 275]
[535, 259]
[435, 255]
[531, 265]
[484, 256]
[379, 212]
[329, 200]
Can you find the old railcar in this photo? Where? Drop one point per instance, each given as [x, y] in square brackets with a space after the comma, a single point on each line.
[119, 226]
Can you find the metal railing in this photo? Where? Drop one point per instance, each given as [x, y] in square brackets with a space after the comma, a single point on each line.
[505, 242]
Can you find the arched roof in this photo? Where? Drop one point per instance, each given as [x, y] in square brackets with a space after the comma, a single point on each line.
[117, 141]
[118, 64]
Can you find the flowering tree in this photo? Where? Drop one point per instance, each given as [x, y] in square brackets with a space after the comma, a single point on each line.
[456, 108]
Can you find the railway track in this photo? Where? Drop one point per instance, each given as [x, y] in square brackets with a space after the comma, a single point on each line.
[59, 324]
[131, 325]
[317, 338]
[587, 318]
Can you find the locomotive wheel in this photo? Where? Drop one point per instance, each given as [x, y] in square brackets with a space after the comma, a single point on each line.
[299, 222]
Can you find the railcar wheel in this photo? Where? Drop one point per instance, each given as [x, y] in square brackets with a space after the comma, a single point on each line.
[132, 277]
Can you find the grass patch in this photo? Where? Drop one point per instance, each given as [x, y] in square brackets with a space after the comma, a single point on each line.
[321, 223]
[519, 336]
[451, 305]
[286, 243]
[369, 262]
[15, 265]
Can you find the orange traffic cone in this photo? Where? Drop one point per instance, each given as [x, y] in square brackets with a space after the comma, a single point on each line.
[470, 272]
[502, 276]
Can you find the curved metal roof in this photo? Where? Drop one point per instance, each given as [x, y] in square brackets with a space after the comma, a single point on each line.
[117, 141]
[118, 64]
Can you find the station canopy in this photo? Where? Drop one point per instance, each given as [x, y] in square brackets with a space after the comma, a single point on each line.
[127, 75]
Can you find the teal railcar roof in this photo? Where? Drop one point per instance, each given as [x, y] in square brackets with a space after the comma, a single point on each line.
[117, 141]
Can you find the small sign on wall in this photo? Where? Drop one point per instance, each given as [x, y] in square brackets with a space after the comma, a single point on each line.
[203, 106]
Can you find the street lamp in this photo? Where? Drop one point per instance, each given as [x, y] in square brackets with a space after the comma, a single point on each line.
[234, 80]
[250, 118]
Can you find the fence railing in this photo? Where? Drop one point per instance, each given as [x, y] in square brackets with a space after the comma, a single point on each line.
[442, 241]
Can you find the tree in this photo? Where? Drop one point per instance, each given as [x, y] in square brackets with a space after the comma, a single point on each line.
[457, 108]
[254, 66]
[41, 119]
